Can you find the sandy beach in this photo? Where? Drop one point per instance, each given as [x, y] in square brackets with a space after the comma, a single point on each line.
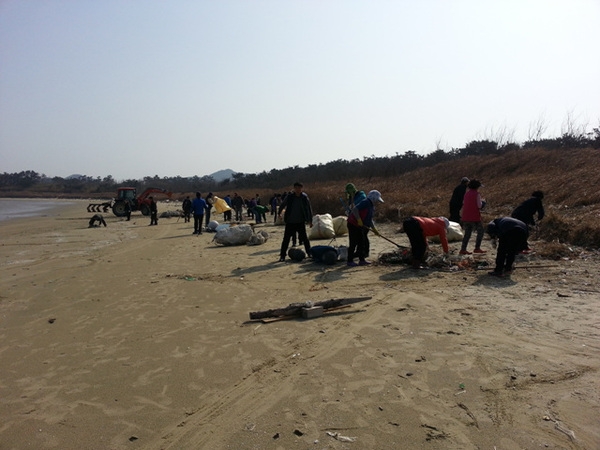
[138, 337]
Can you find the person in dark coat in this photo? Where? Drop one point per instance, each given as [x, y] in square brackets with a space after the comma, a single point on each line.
[187, 209]
[525, 211]
[237, 203]
[153, 212]
[512, 237]
[456, 201]
[298, 213]
[128, 210]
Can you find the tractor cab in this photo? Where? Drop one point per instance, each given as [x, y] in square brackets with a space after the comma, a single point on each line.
[126, 193]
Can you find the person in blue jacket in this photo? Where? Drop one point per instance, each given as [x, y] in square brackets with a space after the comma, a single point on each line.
[198, 208]
[360, 221]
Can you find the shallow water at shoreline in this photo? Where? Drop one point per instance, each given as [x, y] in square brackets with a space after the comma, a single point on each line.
[22, 208]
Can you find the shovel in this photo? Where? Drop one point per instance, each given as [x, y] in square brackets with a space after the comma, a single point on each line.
[389, 240]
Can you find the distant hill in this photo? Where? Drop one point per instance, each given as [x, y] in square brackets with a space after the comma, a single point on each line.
[221, 175]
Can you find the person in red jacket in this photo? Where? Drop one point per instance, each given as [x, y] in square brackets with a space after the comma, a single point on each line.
[471, 217]
[418, 229]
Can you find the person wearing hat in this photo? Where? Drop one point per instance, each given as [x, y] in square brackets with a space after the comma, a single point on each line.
[359, 220]
[456, 201]
[418, 229]
[471, 216]
[353, 196]
[512, 237]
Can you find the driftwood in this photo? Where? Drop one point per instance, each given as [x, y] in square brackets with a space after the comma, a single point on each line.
[295, 309]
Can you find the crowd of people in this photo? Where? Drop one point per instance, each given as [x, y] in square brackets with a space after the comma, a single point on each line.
[509, 234]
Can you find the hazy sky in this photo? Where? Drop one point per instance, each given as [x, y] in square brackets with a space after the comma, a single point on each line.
[134, 88]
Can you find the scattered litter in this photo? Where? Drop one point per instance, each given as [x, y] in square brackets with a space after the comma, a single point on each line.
[560, 427]
[341, 438]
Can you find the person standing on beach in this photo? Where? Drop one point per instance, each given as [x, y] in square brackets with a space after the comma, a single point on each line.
[359, 220]
[471, 216]
[275, 202]
[153, 212]
[187, 209]
[418, 229]
[227, 214]
[127, 210]
[353, 198]
[209, 204]
[456, 201]
[512, 235]
[298, 212]
[237, 202]
[198, 208]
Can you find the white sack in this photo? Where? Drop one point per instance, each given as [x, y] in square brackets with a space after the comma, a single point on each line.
[239, 235]
[454, 233]
[340, 225]
[322, 227]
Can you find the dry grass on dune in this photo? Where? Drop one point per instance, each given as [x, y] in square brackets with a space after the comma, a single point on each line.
[570, 180]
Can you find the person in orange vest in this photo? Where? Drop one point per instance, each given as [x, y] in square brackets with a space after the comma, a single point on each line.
[418, 229]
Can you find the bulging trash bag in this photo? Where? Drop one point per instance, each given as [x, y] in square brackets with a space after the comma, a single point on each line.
[322, 227]
[213, 225]
[258, 238]
[454, 233]
[239, 235]
[340, 225]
